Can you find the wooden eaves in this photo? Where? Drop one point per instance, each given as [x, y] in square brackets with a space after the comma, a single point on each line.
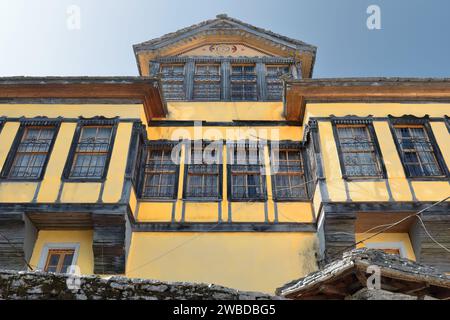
[302, 91]
[144, 89]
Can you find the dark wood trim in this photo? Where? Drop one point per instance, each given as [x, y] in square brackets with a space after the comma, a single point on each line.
[234, 123]
[343, 208]
[223, 227]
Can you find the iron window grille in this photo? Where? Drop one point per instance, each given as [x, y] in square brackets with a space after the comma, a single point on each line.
[172, 78]
[29, 155]
[243, 83]
[245, 172]
[274, 83]
[92, 152]
[420, 156]
[160, 173]
[358, 151]
[203, 178]
[207, 82]
[288, 174]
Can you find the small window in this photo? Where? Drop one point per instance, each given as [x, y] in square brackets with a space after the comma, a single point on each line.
[161, 174]
[59, 260]
[358, 152]
[273, 80]
[245, 170]
[417, 152]
[207, 82]
[288, 174]
[243, 82]
[32, 152]
[92, 152]
[203, 174]
[172, 78]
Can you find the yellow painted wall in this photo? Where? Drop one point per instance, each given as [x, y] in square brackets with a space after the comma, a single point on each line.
[225, 111]
[72, 110]
[247, 261]
[7, 135]
[442, 136]
[297, 212]
[112, 191]
[80, 192]
[201, 211]
[155, 211]
[50, 185]
[386, 238]
[247, 212]
[15, 192]
[228, 133]
[84, 238]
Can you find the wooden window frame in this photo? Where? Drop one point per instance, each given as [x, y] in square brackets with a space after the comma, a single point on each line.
[376, 152]
[165, 81]
[266, 83]
[48, 247]
[187, 167]
[215, 82]
[263, 196]
[63, 253]
[9, 163]
[303, 173]
[425, 125]
[113, 123]
[148, 146]
[243, 82]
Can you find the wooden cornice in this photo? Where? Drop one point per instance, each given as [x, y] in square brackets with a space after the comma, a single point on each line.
[145, 89]
[300, 92]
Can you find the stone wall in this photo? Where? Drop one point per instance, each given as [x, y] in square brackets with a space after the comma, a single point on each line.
[39, 285]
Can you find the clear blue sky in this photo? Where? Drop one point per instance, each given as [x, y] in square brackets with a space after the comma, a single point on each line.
[414, 39]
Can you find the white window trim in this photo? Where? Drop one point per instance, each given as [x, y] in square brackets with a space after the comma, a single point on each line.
[58, 245]
[388, 245]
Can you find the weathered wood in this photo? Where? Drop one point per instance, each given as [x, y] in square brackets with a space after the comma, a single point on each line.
[109, 243]
[12, 239]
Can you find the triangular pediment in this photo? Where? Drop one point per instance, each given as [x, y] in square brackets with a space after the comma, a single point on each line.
[224, 36]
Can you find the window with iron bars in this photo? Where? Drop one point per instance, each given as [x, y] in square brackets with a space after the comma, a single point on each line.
[32, 152]
[160, 173]
[91, 152]
[288, 174]
[358, 152]
[172, 78]
[273, 81]
[417, 152]
[243, 82]
[207, 82]
[245, 171]
[203, 172]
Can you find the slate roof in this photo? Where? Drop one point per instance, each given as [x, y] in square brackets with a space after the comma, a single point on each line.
[347, 275]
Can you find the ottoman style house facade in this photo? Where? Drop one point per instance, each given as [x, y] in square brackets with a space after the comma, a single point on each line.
[141, 176]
